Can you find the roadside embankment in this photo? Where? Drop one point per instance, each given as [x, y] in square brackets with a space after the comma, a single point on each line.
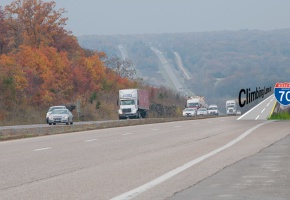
[13, 133]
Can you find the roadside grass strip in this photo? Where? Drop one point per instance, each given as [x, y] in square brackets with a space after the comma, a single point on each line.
[280, 116]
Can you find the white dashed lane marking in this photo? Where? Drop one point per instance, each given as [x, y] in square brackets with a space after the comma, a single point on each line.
[91, 140]
[42, 149]
[263, 110]
[127, 134]
[257, 117]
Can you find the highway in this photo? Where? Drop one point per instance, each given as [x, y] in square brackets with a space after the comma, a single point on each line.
[174, 80]
[154, 161]
[29, 126]
[181, 67]
[262, 111]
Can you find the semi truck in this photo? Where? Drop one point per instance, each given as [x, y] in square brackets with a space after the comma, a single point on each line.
[231, 107]
[133, 103]
[196, 102]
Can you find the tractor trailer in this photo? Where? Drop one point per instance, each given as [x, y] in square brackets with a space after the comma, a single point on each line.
[133, 103]
[231, 107]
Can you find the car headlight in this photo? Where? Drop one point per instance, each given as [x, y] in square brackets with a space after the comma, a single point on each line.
[120, 111]
[47, 114]
[50, 117]
[65, 117]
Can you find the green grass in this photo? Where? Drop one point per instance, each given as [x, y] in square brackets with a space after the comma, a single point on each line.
[280, 116]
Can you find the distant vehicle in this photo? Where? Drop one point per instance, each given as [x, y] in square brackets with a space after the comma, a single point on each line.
[201, 111]
[213, 110]
[195, 102]
[60, 116]
[239, 112]
[51, 109]
[231, 107]
[134, 103]
[189, 112]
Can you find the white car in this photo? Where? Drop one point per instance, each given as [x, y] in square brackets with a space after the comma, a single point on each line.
[51, 109]
[60, 116]
[238, 112]
[189, 112]
[201, 111]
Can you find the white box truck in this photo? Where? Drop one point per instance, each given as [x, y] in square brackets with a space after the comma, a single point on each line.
[196, 102]
[133, 103]
[231, 107]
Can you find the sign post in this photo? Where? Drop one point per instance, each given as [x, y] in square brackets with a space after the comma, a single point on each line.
[78, 109]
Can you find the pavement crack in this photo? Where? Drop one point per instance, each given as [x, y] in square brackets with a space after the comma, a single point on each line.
[42, 179]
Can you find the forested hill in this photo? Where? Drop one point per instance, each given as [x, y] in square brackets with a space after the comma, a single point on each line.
[220, 63]
[42, 64]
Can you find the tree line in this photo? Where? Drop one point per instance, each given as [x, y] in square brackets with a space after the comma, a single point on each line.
[42, 64]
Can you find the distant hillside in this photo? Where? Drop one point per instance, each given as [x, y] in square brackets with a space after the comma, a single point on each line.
[219, 63]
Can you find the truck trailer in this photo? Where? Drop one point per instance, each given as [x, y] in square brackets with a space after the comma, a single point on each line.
[133, 103]
[196, 102]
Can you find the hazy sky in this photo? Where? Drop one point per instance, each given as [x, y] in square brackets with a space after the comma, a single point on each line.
[109, 17]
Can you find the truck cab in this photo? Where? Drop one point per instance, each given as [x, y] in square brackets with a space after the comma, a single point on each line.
[213, 110]
[231, 107]
[128, 108]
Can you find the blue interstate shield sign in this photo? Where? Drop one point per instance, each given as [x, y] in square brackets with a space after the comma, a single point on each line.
[282, 93]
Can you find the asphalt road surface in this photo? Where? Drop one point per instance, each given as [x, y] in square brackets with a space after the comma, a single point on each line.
[262, 111]
[154, 161]
[181, 67]
[263, 176]
[46, 125]
[167, 66]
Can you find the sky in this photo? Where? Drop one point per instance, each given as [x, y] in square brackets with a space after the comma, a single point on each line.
[111, 17]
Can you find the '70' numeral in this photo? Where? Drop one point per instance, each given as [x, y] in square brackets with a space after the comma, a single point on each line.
[286, 95]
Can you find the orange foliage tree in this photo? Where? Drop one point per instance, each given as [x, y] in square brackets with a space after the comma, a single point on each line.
[37, 21]
[12, 81]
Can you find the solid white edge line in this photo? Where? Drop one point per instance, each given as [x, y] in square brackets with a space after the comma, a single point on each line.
[42, 149]
[135, 192]
[254, 107]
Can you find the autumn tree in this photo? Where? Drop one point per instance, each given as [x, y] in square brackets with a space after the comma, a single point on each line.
[3, 31]
[88, 74]
[47, 72]
[13, 82]
[34, 22]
